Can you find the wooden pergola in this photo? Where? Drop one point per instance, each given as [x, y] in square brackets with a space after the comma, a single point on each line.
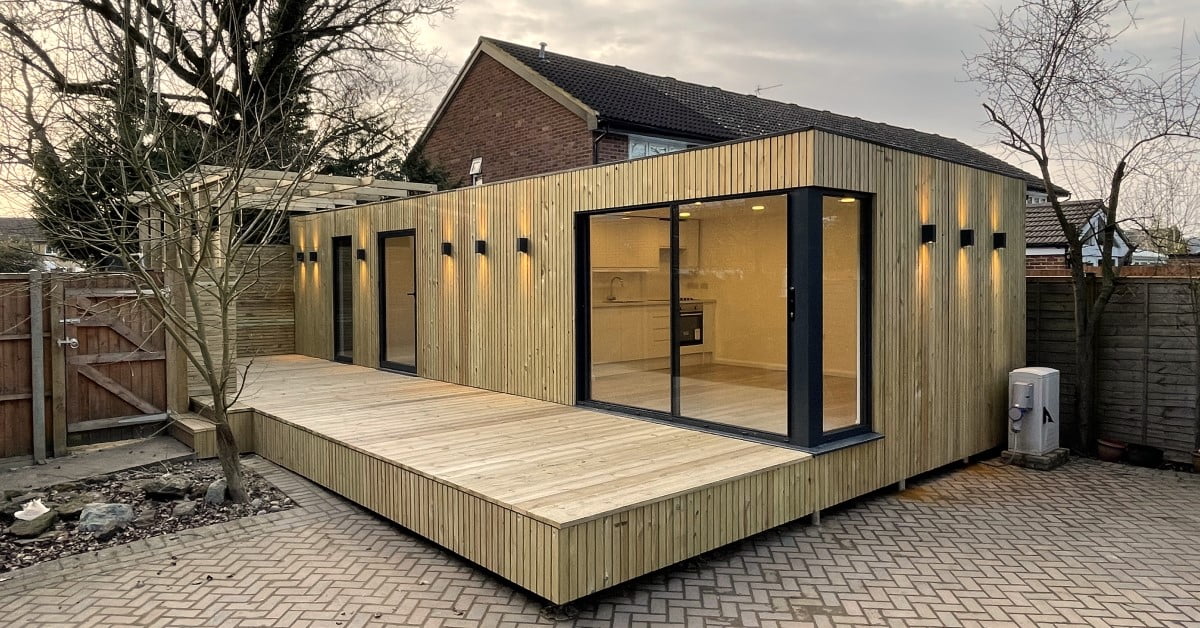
[297, 192]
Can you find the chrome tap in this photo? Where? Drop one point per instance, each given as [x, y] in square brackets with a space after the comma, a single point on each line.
[612, 292]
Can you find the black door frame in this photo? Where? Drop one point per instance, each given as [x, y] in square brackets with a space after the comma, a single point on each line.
[348, 242]
[384, 363]
[805, 337]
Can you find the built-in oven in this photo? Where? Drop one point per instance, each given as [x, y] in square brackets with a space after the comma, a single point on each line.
[691, 324]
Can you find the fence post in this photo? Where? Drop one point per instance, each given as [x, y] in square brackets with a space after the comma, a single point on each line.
[38, 366]
[58, 367]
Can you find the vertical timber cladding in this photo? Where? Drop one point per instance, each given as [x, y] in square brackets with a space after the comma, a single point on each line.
[947, 320]
[504, 320]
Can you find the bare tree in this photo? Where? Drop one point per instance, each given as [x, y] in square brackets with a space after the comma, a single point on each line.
[181, 104]
[1058, 92]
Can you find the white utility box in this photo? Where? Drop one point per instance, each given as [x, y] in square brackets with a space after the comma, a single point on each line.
[1033, 417]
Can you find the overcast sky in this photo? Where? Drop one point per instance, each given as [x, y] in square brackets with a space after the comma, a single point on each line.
[895, 61]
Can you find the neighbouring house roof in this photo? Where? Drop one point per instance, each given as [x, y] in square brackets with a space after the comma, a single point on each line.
[22, 228]
[621, 98]
[1043, 229]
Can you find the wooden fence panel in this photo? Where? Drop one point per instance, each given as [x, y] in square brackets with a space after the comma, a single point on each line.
[106, 380]
[1147, 359]
[266, 317]
[16, 381]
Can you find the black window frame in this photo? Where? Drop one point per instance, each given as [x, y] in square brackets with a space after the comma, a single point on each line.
[336, 282]
[384, 363]
[804, 209]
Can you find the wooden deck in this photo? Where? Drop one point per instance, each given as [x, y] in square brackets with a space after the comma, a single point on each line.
[563, 501]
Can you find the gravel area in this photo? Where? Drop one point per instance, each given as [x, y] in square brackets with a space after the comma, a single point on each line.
[163, 498]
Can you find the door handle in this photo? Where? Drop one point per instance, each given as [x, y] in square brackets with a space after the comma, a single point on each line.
[412, 294]
[791, 303]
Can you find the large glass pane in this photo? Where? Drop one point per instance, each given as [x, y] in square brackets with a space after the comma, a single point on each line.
[399, 302]
[343, 281]
[630, 303]
[733, 286]
[841, 295]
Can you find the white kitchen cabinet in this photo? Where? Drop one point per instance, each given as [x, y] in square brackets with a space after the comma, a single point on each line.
[641, 243]
[689, 244]
[631, 244]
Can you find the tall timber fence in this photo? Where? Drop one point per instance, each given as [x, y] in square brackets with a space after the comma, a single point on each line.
[1148, 358]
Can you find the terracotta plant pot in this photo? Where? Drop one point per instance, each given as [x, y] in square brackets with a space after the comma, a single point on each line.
[1110, 450]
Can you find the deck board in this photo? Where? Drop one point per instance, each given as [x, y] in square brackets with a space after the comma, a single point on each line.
[521, 486]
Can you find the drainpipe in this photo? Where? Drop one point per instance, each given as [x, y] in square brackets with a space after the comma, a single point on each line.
[596, 144]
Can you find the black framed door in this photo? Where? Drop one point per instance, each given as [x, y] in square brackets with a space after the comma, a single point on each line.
[765, 299]
[343, 299]
[398, 301]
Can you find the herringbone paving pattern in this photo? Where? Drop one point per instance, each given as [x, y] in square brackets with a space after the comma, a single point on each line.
[1089, 544]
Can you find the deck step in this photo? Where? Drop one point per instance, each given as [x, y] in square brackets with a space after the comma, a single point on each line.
[197, 431]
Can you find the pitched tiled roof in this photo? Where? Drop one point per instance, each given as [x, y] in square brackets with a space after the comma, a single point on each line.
[636, 101]
[1042, 227]
[19, 227]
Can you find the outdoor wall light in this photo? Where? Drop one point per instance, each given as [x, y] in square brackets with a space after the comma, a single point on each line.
[999, 240]
[447, 248]
[523, 245]
[481, 247]
[928, 234]
[299, 256]
[361, 254]
[312, 256]
[966, 237]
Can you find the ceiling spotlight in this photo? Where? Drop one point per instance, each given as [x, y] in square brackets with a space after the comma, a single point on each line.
[758, 208]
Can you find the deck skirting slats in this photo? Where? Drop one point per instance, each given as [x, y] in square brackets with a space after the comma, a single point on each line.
[558, 500]
[558, 562]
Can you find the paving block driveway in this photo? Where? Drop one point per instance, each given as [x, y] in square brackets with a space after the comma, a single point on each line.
[1091, 543]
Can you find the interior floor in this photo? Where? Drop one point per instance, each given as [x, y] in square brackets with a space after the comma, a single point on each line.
[743, 396]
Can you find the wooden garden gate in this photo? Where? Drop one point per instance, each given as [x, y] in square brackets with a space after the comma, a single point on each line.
[80, 354]
[114, 350]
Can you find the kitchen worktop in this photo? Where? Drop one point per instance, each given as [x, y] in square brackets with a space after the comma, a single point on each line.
[644, 302]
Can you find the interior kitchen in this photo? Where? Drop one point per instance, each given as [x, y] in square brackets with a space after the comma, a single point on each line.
[733, 311]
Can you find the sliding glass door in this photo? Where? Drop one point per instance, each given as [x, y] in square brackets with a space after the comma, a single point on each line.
[343, 299]
[398, 301]
[733, 274]
[743, 315]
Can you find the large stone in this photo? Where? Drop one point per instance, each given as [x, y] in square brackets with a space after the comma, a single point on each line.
[216, 493]
[10, 493]
[145, 517]
[30, 529]
[168, 488]
[104, 520]
[73, 508]
[8, 511]
[185, 508]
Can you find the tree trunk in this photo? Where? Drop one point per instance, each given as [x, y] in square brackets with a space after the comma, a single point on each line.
[228, 453]
[1085, 367]
[1085, 390]
[231, 464]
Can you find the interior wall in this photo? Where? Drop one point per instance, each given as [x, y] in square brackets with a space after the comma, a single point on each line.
[840, 267]
[743, 267]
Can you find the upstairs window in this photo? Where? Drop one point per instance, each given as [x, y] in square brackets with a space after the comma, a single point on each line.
[642, 146]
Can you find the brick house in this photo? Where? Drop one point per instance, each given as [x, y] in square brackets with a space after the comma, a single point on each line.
[515, 111]
[1046, 246]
